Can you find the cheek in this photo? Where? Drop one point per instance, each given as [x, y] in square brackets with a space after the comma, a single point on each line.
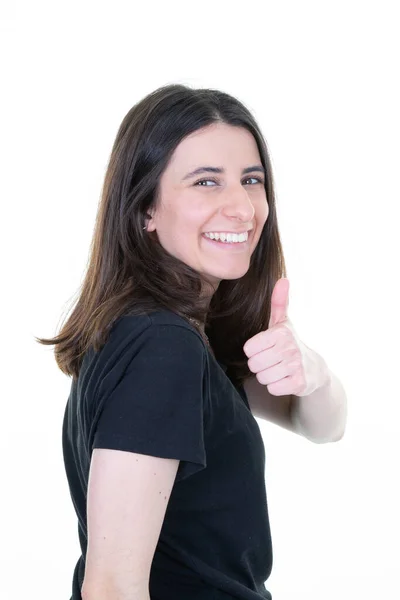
[264, 210]
[261, 214]
[260, 226]
[197, 219]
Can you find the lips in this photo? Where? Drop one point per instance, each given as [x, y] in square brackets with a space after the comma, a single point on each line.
[229, 246]
[224, 242]
[234, 232]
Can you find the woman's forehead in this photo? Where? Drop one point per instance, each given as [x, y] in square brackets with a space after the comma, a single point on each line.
[228, 148]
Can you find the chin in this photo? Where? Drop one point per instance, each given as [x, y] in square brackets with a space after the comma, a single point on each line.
[229, 275]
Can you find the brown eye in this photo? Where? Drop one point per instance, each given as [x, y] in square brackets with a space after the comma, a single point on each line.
[204, 181]
[256, 179]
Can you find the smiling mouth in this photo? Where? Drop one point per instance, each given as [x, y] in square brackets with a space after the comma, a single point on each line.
[229, 245]
[225, 234]
[225, 242]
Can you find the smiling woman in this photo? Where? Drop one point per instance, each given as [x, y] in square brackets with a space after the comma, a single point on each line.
[164, 458]
[230, 205]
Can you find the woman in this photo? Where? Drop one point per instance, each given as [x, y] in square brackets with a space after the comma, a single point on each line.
[164, 458]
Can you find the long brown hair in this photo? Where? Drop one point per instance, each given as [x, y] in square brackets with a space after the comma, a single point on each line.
[129, 272]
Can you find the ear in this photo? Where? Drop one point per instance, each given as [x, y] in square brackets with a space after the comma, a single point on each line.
[150, 221]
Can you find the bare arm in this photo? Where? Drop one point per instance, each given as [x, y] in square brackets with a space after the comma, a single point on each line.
[112, 593]
[320, 417]
[127, 499]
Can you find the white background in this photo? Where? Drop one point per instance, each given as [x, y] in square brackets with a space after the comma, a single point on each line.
[322, 80]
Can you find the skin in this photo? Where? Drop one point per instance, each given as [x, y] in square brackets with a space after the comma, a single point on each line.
[232, 202]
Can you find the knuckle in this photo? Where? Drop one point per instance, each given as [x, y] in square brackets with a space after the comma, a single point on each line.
[260, 378]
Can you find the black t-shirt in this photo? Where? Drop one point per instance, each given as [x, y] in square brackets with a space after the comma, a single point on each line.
[156, 389]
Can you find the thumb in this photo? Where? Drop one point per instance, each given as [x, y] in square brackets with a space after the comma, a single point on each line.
[279, 302]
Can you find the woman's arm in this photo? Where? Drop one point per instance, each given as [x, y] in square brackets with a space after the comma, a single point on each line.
[320, 417]
[128, 494]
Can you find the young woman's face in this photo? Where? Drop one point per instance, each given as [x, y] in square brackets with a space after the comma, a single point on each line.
[231, 201]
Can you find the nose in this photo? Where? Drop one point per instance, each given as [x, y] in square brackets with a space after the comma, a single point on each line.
[237, 204]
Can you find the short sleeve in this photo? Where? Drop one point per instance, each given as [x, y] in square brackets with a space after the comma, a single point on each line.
[157, 408]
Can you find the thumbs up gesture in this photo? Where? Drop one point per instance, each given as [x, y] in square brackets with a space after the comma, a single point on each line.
[278, 357]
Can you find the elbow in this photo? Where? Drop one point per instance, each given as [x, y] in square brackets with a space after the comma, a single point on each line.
[107, 590]
[328, 439]
[339, 437]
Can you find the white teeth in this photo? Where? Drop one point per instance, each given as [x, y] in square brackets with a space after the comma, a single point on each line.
[228, 237]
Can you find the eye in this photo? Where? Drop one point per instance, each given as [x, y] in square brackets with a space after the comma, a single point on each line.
[205, 181]
[256, 179]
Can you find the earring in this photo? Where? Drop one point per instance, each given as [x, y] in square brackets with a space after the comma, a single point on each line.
[144, 227]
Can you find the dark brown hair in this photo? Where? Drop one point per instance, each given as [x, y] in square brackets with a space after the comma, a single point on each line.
[129, 272]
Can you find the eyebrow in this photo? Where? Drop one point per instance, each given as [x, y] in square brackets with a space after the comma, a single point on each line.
[258, 168]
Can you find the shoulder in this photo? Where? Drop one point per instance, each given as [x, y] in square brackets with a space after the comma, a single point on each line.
[162, 327]
[159, 342]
